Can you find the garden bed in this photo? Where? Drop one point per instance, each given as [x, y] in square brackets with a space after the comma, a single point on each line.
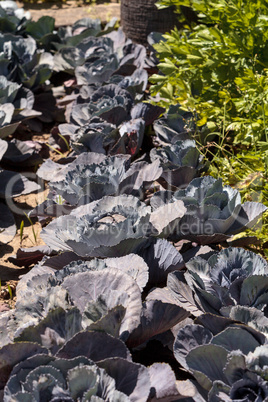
[126, 270]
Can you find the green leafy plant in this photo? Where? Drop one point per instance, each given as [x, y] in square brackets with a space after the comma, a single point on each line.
[217, 70]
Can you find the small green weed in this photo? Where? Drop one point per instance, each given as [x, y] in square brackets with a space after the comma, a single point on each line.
[21, 231]
[10, 292]
[32, 225]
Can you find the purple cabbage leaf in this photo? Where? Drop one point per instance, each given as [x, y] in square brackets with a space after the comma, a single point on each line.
[214, 212]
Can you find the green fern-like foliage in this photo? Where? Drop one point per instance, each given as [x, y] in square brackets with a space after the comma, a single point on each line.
[218, 70]
[219, 67]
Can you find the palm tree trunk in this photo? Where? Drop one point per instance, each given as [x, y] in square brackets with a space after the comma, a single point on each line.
[140, 17]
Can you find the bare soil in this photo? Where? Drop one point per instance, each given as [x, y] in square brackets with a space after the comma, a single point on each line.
[28, 237]
[70, 11]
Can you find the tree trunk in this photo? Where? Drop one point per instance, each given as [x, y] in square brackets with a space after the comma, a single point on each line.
[140, 17]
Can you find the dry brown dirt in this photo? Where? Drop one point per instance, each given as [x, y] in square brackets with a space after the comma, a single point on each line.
[29, 237]
[70, 11]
